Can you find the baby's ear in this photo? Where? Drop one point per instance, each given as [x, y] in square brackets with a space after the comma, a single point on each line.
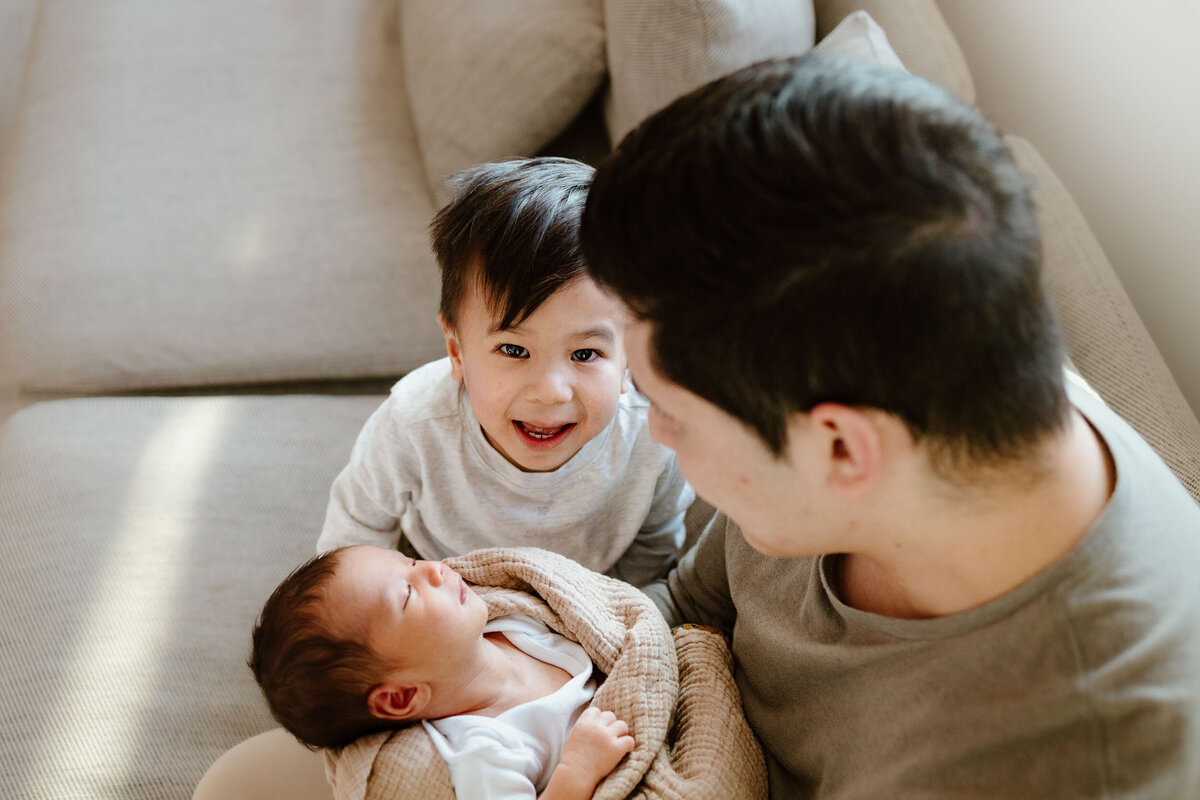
[397, 701]
[626, 381]
[453, 348]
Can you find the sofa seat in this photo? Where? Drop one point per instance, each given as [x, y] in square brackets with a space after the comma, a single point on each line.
[139, 539]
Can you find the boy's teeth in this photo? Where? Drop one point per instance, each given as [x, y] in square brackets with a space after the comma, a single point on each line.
[541, 433]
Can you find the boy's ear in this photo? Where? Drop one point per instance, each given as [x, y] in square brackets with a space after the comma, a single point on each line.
[453, 348]
[851, 445]
[626, 381]
[398, 701]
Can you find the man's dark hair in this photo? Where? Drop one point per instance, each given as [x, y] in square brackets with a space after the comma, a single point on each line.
[513, 226]
[814, 230]
[315, 682]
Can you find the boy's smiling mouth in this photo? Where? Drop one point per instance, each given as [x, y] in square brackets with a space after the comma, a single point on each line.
[542, 437]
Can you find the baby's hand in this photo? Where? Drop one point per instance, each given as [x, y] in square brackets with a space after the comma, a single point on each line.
[596, 744]
[598, 739]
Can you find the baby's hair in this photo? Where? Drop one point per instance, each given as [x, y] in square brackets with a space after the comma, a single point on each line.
[315, 682]
[513, 226]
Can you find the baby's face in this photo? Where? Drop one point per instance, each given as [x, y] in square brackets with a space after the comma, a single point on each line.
[413, 614]
[546, 387]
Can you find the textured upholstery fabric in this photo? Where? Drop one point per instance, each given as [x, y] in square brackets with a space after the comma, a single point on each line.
[1108, 343]
[139, 538]
[917, 32]
[215, 192]
[496, 79]
[661, 50]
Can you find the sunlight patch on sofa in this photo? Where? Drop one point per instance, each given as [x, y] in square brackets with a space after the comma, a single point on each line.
[248, 249]
[100, 716]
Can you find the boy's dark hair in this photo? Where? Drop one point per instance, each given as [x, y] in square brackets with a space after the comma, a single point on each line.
[814, 230]
[514, 227]
[315, 683]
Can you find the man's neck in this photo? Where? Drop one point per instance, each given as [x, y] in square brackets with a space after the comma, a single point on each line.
[942, 557]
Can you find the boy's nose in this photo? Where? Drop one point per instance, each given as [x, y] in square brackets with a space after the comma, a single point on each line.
[550, 385]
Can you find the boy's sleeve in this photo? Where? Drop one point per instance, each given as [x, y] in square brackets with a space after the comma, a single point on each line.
[697, 591]
[370, 495]
[653, 551]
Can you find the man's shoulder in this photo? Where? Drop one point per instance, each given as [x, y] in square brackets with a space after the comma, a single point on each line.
[1147, 491]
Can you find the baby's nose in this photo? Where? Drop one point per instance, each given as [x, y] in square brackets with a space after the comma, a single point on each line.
[434, 573]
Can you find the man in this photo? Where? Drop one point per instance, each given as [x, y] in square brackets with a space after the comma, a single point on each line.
[944, 571]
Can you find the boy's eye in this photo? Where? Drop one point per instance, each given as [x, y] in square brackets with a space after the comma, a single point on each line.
[585, 354]
[513, 350]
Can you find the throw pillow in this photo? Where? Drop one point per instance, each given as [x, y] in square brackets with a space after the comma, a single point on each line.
[495, 79]
[660, 50]
[859, 37]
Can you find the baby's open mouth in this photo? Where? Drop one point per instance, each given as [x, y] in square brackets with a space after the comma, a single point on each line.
[539, 434]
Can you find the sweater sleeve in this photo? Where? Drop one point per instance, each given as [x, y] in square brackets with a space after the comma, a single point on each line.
[697, 590]
[653, 551]
[370, 495]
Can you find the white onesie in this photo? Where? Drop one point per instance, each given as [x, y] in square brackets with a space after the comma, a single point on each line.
[514, 754]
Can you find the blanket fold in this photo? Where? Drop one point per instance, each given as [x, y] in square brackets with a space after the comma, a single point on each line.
[675, 691]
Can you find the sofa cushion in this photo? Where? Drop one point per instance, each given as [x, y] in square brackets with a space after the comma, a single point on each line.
[859, 37]
[661, 50]
[1108, 342]
[139, 538]
[496, 79]
[215, 192]
[917, 32]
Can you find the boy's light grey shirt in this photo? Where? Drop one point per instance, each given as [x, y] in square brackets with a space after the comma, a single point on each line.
[422, 466]
[1084, 682]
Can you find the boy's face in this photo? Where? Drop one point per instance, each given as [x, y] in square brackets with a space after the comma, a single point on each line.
[415, 615]
[546, 387]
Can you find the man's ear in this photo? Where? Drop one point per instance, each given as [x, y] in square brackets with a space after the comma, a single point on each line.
[851, 443]
[398, 701]
[453, 348]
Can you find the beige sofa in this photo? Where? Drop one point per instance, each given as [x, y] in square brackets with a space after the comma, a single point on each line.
[213, 262]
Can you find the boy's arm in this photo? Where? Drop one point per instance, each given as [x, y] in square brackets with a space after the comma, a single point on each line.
[370, 494]
[697, 591]
[593, 749]
[653, 551]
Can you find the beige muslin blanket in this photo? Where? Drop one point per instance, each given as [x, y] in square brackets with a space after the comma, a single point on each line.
[675, 691]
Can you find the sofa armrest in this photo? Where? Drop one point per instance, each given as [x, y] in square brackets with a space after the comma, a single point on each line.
[1106, 338]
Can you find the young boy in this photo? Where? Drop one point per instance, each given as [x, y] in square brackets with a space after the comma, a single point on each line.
[526, 435]
[361, 639]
